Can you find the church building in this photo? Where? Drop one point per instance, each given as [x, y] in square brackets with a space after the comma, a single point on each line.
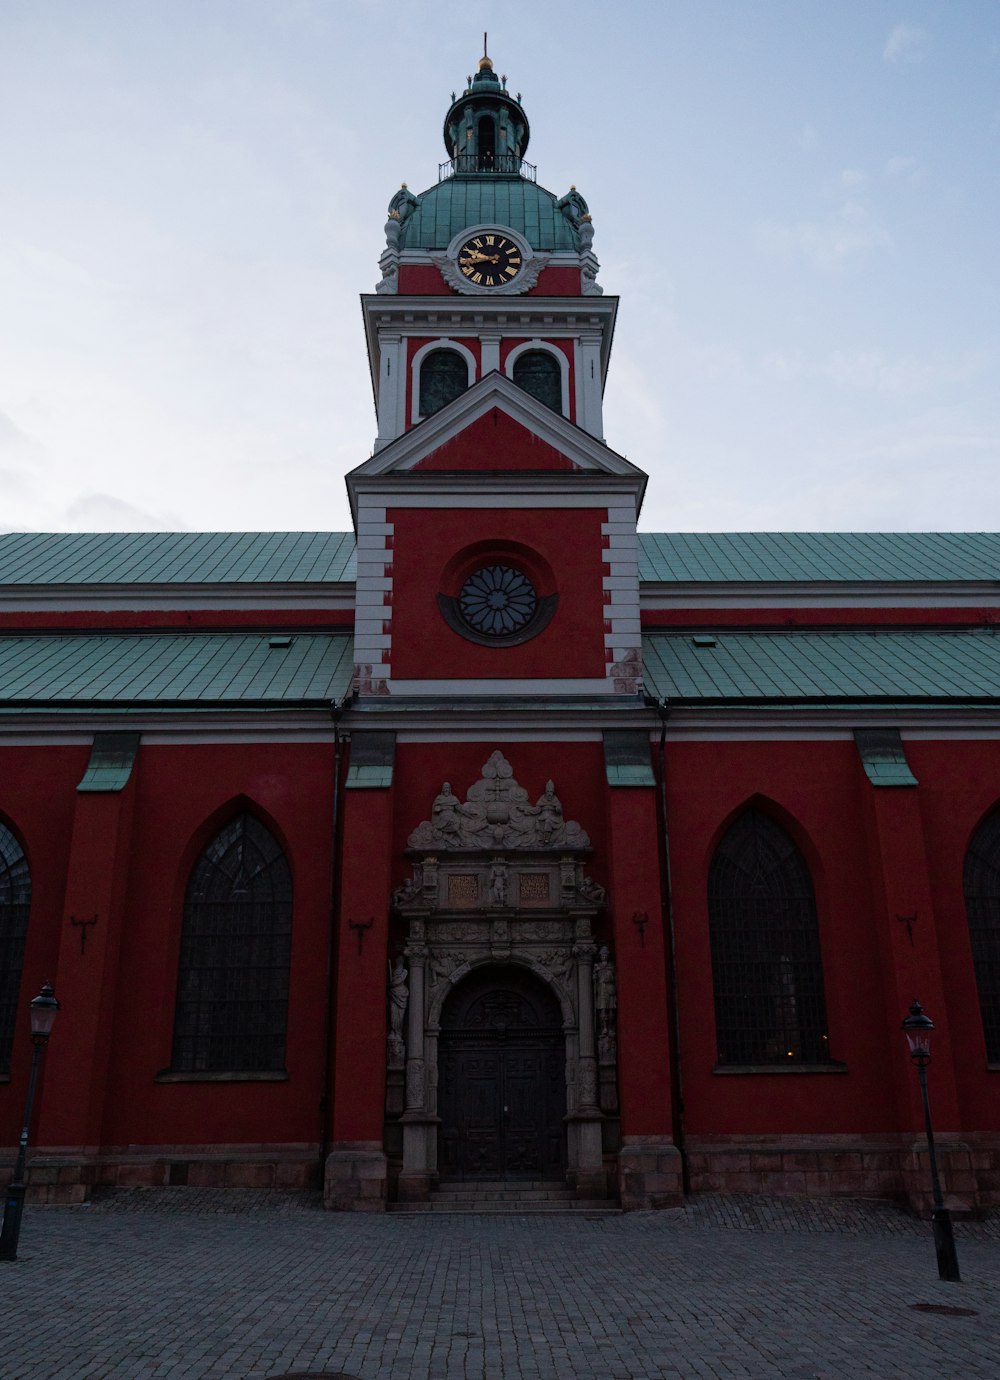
[498, 846]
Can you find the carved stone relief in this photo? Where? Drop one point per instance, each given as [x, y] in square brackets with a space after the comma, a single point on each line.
[524, 282]
[605, 1006]
[443, 962]
[461, 931]
[399, 996]
[559, 962]
[527, 930]
[497, 813]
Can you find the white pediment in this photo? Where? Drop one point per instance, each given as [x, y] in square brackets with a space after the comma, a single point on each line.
[584, 451]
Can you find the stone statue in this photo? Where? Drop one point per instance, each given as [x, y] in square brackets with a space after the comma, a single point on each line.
[573, 206]
[409, 890]
[399, 997]
[550, 814]
[592, 891]
[498, 885]
[605, 997]
[403, 204]
[445, 816]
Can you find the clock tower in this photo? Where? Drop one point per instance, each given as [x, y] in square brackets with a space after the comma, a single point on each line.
[492, 498]
[508, 259]
[498, 661]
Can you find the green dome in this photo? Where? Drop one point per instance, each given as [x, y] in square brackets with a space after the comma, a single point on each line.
[456, 202]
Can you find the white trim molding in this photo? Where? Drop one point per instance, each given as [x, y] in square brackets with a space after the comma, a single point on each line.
[445, 343]
[546, 347]
[373, 606]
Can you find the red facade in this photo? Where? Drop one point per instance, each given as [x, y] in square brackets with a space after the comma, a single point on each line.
[601, 716]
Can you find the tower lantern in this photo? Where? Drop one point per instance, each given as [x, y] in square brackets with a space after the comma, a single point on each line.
[486, 130]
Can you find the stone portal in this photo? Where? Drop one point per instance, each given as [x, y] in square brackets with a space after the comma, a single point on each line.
[500, 1006]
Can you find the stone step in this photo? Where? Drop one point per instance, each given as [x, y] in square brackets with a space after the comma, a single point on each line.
[511, 1195]
[493, 1185]
[601, 1206]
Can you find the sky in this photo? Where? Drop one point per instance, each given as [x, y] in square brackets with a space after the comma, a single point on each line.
[797, 202]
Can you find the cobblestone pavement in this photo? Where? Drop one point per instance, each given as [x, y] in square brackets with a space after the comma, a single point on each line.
[184, 1283]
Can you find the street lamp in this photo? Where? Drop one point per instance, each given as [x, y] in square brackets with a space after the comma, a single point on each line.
[43, 1015]
[917, 1027]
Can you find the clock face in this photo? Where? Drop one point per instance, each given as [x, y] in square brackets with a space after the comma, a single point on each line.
[489, 259]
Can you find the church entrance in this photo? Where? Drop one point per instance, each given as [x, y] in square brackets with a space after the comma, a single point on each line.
[502, 1084]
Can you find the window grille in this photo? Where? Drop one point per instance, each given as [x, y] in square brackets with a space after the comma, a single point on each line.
[444, 376]
[982, 903]
[15, 901]
[766, 965]
[232, 988]
[538, 373]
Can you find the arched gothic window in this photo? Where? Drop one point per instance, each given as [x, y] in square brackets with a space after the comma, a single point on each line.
[982, 903]
[232, 988]
[444, 376]
[538, 373]
[15, 901]
[766, 967]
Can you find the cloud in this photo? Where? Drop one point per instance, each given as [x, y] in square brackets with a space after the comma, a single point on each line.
[906, 376]
[105, 513]
[905, 44]
[905, 168]
[851, 178]
[852, 233]
[874, 371]
[13, 440]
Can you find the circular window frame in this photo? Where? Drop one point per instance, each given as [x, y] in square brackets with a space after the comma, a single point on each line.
[510, 556]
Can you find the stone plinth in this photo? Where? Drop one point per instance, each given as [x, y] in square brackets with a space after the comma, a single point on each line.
[649, 1174]
[356, 1179]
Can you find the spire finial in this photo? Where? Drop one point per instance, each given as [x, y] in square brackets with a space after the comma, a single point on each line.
[485, 62]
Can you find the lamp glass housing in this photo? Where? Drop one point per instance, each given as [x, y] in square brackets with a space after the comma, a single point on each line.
[43, 1013]
[917, 1027]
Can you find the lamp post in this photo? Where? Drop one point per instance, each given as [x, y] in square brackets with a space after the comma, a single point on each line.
[43, 1015]
[917, 1027]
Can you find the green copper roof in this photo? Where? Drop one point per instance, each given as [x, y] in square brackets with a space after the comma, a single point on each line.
[959, 667]
[883, 757]
[95, 558]
[456, 202]
[734, 557]
[112, 757]
[123, 670]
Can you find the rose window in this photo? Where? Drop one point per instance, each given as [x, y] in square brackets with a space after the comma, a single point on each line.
[497, 601]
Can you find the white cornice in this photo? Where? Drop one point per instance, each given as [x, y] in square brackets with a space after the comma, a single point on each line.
[554, 317]
[444, 722]
[119, 598]
[670, 595]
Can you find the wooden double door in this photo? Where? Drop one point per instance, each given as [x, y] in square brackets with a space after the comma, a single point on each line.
[502, 1083]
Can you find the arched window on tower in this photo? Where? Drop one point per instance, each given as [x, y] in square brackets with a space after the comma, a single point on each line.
[982, 904]
[538, 373]
[15, 901]
[444, 376]
[766, 966]
[487, 143]
[232, 987]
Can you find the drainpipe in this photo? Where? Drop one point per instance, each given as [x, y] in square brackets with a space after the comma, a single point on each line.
[325, 1100]
[676, 1083]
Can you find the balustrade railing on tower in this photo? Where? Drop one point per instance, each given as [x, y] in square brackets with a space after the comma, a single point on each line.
[492, 164]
